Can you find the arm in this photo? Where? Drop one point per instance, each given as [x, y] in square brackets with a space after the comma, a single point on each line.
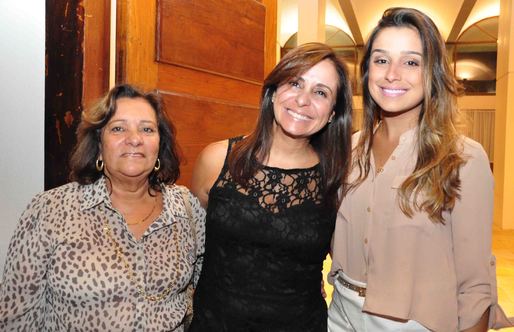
[471, 221]
[22, 302]
[207, 169]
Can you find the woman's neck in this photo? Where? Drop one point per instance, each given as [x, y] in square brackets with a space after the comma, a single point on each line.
[289, 152]
[392, 128]
[129, 191]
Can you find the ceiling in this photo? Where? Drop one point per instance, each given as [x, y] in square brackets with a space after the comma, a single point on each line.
[358, 17]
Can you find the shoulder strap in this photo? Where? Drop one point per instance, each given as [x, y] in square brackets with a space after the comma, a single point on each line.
[186, 321]
[231, 142]
[224, 169]
[187, 203]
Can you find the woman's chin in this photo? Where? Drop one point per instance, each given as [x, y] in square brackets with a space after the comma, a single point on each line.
[130, 174]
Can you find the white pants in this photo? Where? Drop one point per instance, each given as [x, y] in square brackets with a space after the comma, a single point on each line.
[345, 313]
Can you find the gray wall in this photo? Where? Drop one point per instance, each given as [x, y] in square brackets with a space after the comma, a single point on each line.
[22, 92]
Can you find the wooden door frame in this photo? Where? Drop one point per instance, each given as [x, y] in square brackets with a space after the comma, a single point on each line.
[77, 70]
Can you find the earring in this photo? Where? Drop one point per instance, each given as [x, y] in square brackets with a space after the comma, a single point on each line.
[157, 165]
[99, 165]
[331, 117]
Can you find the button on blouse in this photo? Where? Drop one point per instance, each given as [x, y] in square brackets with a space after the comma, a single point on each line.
[436, 274]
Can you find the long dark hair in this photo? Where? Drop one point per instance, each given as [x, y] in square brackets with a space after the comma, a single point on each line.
[87, 149]
[436, 173]
[332, 143]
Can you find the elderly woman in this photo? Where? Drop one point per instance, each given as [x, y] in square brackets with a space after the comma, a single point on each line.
[118, 248]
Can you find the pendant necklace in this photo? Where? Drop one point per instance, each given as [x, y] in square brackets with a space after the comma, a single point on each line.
[147, 216]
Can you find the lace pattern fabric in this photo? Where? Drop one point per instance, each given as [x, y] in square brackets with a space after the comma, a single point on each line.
[277, 190]
[265, 246]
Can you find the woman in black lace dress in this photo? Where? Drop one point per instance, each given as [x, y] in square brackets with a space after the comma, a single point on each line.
[271, 201]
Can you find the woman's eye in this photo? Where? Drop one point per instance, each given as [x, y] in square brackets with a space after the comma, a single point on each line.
[294, 84]
[321, 93]
[148, 130]
[412, 63]
[116, 129]
[380, 61]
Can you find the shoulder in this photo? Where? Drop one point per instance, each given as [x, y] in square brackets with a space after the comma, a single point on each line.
[215, 151]
[184, 198]
[356, 138]
[52, 204]
[475, 157]
[211, 159]
[176, 190]
[471, 148]
[356, 135]
[208, 166]
[472, 151]
[60, 195]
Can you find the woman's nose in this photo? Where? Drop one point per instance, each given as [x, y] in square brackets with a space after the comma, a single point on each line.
[134, 137]
[303, 98]
[393, 73]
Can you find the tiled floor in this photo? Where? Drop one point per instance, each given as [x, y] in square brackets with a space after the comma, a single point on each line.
[503, 249]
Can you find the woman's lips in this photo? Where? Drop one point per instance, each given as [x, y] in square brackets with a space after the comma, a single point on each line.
[393, 92]
[297, 116]
[133, 154]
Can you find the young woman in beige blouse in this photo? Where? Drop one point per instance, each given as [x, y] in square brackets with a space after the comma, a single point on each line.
[412, 245]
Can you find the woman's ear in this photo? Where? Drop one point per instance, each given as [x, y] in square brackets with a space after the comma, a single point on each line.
[99, 156]
[331, 116]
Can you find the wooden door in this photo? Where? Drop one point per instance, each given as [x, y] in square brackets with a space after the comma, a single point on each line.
[207, 58]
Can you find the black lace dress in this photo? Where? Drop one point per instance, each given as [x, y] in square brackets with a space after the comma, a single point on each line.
[264, 252]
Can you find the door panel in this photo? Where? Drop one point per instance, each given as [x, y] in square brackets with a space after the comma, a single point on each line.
[209, 120]
[197, 83]
[206, 57]
[222, 36]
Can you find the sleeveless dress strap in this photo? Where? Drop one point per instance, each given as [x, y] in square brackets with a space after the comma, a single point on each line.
[224, 169]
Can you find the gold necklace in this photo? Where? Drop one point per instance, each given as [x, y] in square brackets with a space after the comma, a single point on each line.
[147, 216]
[131, 274]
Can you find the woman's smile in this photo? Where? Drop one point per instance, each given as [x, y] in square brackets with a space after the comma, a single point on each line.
[389, 92]
[297, 116]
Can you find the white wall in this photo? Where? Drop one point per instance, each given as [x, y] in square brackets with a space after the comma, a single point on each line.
[22, 95]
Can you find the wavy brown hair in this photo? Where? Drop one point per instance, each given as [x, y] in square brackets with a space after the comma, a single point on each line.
[332, 143]
[436, 173]
[87, 149]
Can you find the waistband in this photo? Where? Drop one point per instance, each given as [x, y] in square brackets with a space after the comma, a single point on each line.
[349, 283]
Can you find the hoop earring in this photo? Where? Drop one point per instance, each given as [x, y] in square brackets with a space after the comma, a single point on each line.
[99, 165]
[157, 165]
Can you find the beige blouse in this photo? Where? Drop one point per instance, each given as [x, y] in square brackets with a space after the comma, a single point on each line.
[62, 272]
[440, 275]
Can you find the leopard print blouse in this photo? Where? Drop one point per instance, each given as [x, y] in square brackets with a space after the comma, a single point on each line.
[62, 272]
